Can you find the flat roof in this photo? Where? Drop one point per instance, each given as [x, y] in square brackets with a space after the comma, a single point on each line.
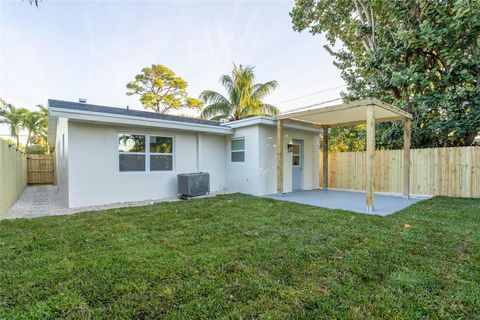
[346, 113]
[92, 113]
[96, 114]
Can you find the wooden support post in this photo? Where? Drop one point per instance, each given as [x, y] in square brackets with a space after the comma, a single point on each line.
[280, 156]
[370, 156]
[325, 156]
[406, 158]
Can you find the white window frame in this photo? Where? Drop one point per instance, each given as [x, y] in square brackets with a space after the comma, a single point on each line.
[299, 155]
[243, 150]
[147, 153]
[161, 154]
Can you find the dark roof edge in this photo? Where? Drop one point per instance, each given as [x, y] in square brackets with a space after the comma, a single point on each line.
[78, 106]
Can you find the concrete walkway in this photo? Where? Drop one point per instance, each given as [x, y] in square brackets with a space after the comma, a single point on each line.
[36, 201]
[348, 200]
[41, 201]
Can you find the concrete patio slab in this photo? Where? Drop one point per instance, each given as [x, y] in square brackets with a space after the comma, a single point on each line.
[348, 200]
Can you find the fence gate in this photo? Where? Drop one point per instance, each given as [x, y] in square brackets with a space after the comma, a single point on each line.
[40, 169]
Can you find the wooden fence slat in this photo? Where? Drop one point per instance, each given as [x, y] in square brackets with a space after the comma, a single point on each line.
[13, 176]
[433, 171]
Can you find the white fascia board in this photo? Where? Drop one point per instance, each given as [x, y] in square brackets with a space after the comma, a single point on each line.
[269, 122]
[250, 122]
[299, 127]
[95, 117]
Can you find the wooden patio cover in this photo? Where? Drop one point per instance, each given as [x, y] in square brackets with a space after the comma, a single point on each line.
[367, 111]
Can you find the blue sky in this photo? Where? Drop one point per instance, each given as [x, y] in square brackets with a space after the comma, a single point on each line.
[68, 50]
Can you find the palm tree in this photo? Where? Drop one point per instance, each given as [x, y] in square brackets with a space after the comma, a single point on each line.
[244, 97]
[31, 121]
[3, 104]
[40, 134]
[14, 118]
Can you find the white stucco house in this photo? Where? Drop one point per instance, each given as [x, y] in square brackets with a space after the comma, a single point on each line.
[107, 155]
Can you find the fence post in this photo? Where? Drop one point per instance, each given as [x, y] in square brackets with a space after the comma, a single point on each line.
[325, 156]
[370, 157]
[406, 158]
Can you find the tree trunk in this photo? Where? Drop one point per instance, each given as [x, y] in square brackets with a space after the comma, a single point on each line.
[28, 138]
[410, 107]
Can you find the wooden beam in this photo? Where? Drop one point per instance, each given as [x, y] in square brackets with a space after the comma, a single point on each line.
[339, 107]
[388, 107]
[406, 157]
[279, 156]
[325, 157]
[370, 157]
[304, 123]
[354, 123]
[319, 110]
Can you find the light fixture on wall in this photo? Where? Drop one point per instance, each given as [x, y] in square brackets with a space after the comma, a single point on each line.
[290, 147]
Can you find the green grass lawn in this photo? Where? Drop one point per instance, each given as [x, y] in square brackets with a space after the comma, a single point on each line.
[238, 256]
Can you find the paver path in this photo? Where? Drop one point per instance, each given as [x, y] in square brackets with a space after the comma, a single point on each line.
[36, 201]
[40, 201]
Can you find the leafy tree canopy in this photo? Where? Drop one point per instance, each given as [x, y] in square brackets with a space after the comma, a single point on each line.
[420, 55]
[244, 97]
[161, 90]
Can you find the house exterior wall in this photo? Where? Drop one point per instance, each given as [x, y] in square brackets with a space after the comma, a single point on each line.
[311, 143]
[267, 169]
[258, 174]
[212, 159]
[268, 159]
[61, 159]
[243, 176]
[88, 163]
[94, 177]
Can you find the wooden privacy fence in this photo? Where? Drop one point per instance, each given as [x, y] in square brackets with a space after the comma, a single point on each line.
[434, 171]
[41, 169]
[13, 176]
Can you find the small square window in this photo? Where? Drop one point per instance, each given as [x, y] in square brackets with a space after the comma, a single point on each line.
[238, 150]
